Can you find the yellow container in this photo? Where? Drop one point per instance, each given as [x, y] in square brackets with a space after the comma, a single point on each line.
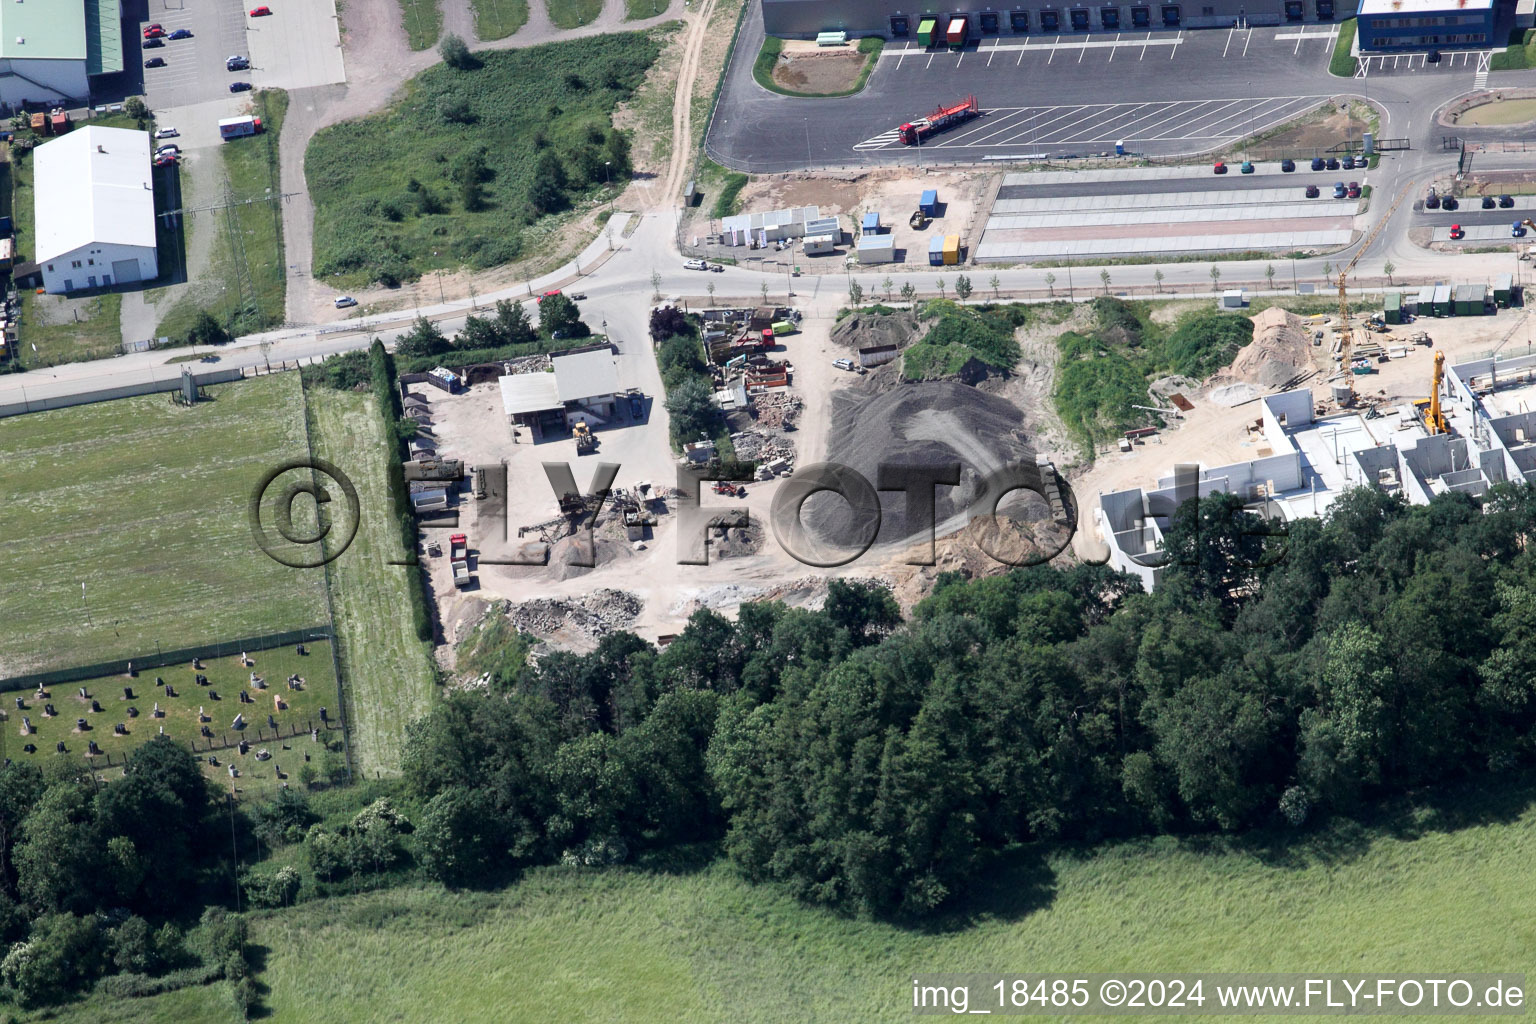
[951, 250]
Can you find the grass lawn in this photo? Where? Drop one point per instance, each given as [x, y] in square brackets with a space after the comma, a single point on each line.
[1341, 63]
[634, 10]
[1519, 55]
[146, 503]
[389, 673]
[69, 330]
[252, 232]
[203, 1004]
[388, 203]
[497, 19]
[572, 13]
[701, 945]
[423, 22]
[225, 676]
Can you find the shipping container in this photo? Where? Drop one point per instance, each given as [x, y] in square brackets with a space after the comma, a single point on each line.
[929, 204]
[1443, 306]
[1471, 299]
[951, 250]
[871, 224]
[817, 245]
[1426, 301]
[959, 27]
[1503, 290]
[1393, 313]
[877, 249]
[936, 251]
[926, 30]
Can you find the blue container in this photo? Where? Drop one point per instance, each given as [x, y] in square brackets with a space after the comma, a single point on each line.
[936, 251]
[930, 202]
[871, 223]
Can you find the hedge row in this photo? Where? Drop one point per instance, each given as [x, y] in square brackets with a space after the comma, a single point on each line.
[381, 371]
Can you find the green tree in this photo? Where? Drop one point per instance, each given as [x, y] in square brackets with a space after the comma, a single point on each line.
[480, 332]
[1269, 276]
[206, 330]
[887, 285]
[1389, 268]
[1215, 276]
[455, 53]
[855, 293]
[1157, 275]
[1050, 284]
[995, 283]
[513, 323]
[458, 838]
[908, 293]
[939, 284]
[560, 313]
[963, 287]
[1104, 279]
[423, 339]
[692, 408]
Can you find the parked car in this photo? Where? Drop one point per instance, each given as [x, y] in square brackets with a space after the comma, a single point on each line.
[155, 62]
[239, 86]
[1348, 162]
[1517, 230]
[182, 33]
[168, 151]
[165, 161]
[636, 406]
[1456, 232]
[717, 268]
[344, 301]
[1488, 203]
[1219, 168]
[260, 12]
[1505, 202]
[153, 44]
[236, 63]
[1354, 190]
[843, 364]
[1339, 190]
[1433, 57]
[1333, 163]
[1287, 166]
[153, 31]
[166, 133]
[1318, 163]
[1432, 201]
[1247, 167]
[1313, 192]
[695, 265]
[1448, 203]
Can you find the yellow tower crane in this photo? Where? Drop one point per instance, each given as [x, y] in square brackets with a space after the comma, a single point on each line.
[1434, 417]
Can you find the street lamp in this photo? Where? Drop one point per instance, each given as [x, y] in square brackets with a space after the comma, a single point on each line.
[608, 183]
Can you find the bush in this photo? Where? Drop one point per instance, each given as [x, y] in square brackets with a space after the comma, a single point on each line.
[387, 398]
[455, 53]
[728, 202]
[1203, 342]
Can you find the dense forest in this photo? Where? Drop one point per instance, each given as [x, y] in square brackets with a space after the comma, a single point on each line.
[860, 760]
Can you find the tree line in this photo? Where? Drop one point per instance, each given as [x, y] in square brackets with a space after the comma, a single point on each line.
[875, 764]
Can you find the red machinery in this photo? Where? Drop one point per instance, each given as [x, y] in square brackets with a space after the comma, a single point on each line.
[945, 117]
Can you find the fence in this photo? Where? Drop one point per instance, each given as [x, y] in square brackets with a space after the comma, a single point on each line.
[115, 391]
[222, 649]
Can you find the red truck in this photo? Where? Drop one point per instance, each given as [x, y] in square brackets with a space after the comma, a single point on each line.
[458, 558]
[940, 120]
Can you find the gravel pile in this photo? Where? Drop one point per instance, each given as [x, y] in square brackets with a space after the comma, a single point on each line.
[930, 424]
[867, 330]
[754, 445]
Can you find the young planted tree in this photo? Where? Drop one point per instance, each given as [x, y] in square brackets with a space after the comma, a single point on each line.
[1269, 275]
[1388, 268]
[887, 284]
[855, 293]
[908, 293]
[656, 286]
[995, 283]
[1215, 277]
[1050, 284]
[963, 287]
[940, 284]
[1104, 277]
[1157, 275]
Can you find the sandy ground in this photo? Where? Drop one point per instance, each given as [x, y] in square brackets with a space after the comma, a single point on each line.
[806, 67]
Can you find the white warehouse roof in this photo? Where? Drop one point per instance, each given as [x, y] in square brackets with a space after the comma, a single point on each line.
[528, 392]
[769, 219]
[92, 187]
[586, 374]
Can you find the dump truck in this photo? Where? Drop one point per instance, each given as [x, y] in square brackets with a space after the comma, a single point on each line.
[458, 559]
[914, 132]
[586, 441]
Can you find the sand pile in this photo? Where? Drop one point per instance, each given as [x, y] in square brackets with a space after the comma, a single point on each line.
[868, 330]
[1281, 348]
[930, 424]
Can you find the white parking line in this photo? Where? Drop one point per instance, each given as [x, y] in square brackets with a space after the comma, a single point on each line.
[1082, 52]
[1247, 41]
[1053, 51]
[1227, 47]
[1021, 53]
[1112, 49]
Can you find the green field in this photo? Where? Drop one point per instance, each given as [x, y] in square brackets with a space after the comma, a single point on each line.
[145, 502]
[445, 178]
[573, 13]
[423, 22]
[702, 945]
[69, 330]
[389, 672]
[634, 10]
[497, 19]
[249, 238]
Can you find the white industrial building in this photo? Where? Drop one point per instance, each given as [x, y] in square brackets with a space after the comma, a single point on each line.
[1492, 439]
[95, 209]
[49, 49]
[584, 388]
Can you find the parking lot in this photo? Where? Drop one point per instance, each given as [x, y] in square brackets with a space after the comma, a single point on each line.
[1012, 132]
[1165, 210]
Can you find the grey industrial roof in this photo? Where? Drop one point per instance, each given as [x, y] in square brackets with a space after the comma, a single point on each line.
[585, 374]
[529, 392]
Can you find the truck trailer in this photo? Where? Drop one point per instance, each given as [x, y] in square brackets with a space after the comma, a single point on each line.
[914, 132]
[238, 127]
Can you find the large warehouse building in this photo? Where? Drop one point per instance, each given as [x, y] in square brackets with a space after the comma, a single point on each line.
[95, 209]
[50, 49]
[1394, 26]
[900, 19]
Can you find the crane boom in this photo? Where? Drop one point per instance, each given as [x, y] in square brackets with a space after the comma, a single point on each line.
[1346, 336]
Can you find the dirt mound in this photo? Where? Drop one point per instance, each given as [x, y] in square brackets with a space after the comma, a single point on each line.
[1281, 348]
[607, 550]
[930, 424]
[868, 330]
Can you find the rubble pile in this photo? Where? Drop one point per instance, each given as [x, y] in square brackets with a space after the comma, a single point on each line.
[594, 615]
[526, 364]
[776, 410]
[756, 446]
